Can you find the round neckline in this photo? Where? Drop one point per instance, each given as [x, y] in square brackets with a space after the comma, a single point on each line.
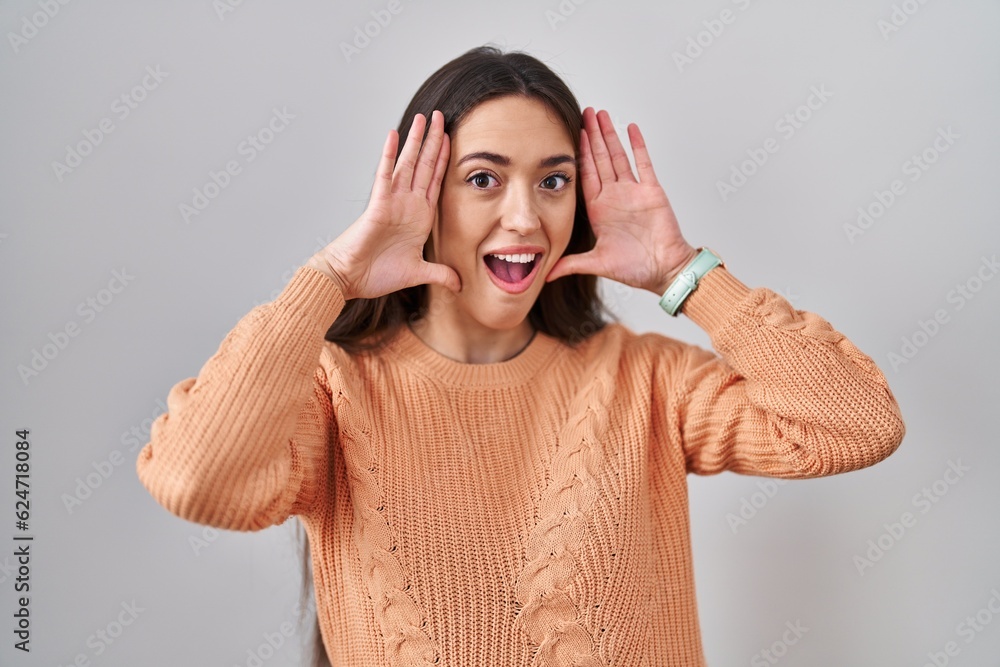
[411, 349]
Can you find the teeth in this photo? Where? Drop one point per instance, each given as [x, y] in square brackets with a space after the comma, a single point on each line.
[523, 258]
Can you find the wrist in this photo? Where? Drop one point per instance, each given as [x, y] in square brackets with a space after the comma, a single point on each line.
[687, 280]
[320, 262]
[688, 257]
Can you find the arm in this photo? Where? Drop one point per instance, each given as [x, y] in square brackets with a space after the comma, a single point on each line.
[245, 444]
[789, 396]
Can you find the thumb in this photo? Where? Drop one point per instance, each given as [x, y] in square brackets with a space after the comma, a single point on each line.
[441, 274]
[570, 264]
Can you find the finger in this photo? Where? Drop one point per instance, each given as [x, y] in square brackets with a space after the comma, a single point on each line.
[602, 159]
[427, 161]
[434, 190]
[619, 158]
[383, 173]
[402, 177]
[589, 179]
[643, 163]
[586, 262]
[441, 274]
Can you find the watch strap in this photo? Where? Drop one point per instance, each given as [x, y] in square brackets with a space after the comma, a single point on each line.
[687, 280]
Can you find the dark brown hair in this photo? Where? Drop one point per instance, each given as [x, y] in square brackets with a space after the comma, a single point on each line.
[568, 308]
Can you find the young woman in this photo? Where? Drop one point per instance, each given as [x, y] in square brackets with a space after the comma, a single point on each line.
[489, 472]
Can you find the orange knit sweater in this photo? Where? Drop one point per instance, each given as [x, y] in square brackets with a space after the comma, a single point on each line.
[532, 511]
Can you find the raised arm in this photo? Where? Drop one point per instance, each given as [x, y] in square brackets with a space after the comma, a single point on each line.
[245, 444]
[788, 397]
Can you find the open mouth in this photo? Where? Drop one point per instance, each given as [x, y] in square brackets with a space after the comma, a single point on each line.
[513, 273]
[511, 268]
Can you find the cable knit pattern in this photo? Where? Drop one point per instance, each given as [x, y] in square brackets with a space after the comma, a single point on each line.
[546, 608]
[531, 512]
[401, 620]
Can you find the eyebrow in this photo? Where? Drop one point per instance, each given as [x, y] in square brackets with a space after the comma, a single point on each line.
[505, 161]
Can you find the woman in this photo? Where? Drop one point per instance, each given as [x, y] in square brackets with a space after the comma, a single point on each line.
[487, 471]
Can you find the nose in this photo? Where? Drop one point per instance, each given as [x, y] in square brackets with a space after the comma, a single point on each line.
[520, 213]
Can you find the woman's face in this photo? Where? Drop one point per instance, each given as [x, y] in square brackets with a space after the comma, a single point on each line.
[510, 188]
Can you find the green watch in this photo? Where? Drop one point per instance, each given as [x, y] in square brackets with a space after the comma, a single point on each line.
[687, 280]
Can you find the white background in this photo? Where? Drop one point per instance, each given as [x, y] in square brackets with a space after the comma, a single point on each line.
[62, 235]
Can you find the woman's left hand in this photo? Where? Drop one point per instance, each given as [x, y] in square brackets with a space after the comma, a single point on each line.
[639, 242]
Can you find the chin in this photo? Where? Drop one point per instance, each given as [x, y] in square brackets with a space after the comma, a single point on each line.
[501, 318]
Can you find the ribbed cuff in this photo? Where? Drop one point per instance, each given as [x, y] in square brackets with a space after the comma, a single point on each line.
[714, 300]
[313, 293]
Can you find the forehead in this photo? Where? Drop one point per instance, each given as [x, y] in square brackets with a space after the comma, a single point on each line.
[514, 122]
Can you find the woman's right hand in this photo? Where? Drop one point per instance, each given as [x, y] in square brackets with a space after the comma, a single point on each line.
[382, 251]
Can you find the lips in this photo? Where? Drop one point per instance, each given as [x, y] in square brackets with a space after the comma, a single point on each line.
[512, 277]
[510, 272]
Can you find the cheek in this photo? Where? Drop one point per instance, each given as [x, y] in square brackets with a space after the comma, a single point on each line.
[462, 227]
[562, 218]
[449, 214]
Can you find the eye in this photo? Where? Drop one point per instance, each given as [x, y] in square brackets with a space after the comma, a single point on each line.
[552, 182]
[481, 180]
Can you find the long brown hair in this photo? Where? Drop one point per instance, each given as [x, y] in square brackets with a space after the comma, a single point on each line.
[568, 308]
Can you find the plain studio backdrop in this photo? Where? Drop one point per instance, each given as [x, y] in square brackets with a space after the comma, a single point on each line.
[166, 166]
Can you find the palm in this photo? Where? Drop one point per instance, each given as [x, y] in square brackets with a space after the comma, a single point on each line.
[382, 252]
[397, 235]
[632, 231]
[638, 238]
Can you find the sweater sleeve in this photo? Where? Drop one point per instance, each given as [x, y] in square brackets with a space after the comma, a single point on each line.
[788, 397]
[245, 444]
